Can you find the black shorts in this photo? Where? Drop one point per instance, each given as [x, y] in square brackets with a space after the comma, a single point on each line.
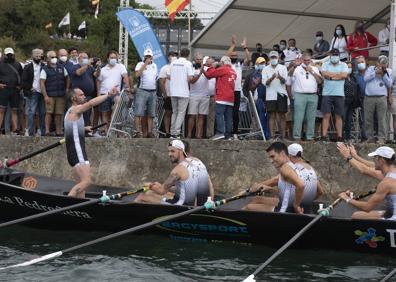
[167, 103]
[9, 96]
[332, 104]
[278, 106]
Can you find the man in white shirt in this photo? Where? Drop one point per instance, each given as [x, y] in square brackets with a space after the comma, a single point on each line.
[305, 85]
[383, 38]
[291, 53]
[237, 66]
[111, 75]
[198, 104]
[180, 75]
[274, 77]
[164, 85]
[146, 94]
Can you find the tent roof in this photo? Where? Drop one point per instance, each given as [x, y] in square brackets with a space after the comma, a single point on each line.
[269, 21]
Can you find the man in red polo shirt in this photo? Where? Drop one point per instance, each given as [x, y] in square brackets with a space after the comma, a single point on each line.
[225, 83]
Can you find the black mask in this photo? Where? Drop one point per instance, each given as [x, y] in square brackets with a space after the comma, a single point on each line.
[360, 28]
[234, 60]
[37, 61]
[259, 49]
[9, 58]
[197, 65]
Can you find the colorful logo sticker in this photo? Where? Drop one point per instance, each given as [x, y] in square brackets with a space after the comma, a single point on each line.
[368, 237]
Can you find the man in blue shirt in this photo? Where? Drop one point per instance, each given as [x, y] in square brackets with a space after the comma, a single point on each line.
[359, 75]
[379, 81]
[334, 73]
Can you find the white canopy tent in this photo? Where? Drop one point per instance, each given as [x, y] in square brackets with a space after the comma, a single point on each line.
[269, 21]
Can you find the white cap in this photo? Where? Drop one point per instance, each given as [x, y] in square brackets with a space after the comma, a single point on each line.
[273, 54]
[148, 52]
[225, 60]
[8, 51]
[294, 149]
[384, 152]
[205, 60]
[178, 144]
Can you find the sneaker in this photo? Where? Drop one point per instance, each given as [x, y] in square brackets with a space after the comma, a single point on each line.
[235, 137]
[218, 137]
[340, 139]
[175, 136]
[324, 138]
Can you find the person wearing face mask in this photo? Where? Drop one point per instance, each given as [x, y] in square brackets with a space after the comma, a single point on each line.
[54, 83]
[63, 60]
[360, 39]
[82, 77]
[321, 46]
[359, 75]
[258, 53]
[274, 77]
[31, 89]
[113, 74]
[383, 38]
[164, 84]
[10, 82]
[334, 73]
[339, 42]
[379, 80]
[352, 97]
[291, 53]
[237, 67]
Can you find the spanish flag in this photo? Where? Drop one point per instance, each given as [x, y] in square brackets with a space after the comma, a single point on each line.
[174, 6]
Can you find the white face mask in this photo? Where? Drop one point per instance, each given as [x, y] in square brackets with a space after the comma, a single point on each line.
[349, 70]
[282, 46]
[113, 62]
[63, 58]
[54, 61]
[318, 38]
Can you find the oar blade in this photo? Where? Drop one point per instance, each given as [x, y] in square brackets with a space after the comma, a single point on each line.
[34, 261]
[250, 278]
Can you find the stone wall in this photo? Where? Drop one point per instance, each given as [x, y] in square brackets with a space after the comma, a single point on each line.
[233, 165]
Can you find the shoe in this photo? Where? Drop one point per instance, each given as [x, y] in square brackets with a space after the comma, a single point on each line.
[138, 135]
[150, 135]
[96, 134]
[175, 136]
[340, 139]
[324, 139]
[235, 137]
[218, 137]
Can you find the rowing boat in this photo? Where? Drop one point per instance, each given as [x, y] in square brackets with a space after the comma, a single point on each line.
[25, 194]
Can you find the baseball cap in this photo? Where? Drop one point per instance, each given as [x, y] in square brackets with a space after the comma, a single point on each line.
[384, 152]
[335, 52]
[273, 54]
[260, 60]
[148, 52]
[178, 144]
[8, 51]
[294, 149]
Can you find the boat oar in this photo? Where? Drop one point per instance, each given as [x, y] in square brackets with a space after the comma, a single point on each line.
[323, 213]
[9, 163]
[389, 276]
[207, 205]
[103, 199]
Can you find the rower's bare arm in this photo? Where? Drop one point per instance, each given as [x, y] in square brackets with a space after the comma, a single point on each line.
[95, 101]
[272, 182]
[376, 199]
[355, 155]
[366, 170]
[169, 183]
[211, 189]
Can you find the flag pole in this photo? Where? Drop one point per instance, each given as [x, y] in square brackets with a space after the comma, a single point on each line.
[189, 24]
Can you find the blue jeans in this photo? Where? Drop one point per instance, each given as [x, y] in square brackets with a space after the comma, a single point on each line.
[34, 103]
[264, 118]
[224, 120]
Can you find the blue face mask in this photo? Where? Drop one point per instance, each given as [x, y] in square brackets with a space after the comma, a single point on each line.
[339, 32]
[274, 62]
[85, 61]
[349, 70]
[334, 59]
[361, 66]
[259, 67]
[113, 62]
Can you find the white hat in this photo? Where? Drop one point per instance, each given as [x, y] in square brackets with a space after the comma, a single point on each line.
[273, 54]
[148, 52]
[8, 51]
[384, 152]
[294, 149]
[225, 60]
[178, 144]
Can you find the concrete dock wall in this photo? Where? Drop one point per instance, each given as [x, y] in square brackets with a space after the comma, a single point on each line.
[233, 165]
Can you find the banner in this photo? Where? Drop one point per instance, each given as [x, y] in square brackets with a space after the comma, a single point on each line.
[142, 35]
[83, 25]
[65, 20]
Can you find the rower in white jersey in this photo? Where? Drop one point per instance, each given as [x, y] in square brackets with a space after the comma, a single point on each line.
[182, 180]
[383, 169]
[290, 185]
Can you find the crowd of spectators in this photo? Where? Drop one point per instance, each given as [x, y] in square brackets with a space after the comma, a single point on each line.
[295, 92]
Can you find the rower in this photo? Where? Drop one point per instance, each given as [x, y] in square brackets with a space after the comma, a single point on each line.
[313, 189]
[75, 138]
[181, 177]
[290, 185]
[205, 186]
[382, 168]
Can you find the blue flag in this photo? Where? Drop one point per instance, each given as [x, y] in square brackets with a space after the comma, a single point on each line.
[142, 35]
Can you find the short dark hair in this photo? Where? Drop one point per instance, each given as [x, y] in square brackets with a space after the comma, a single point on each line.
[290, 39]
[282, 41]
[277, 147]
[184, 53]
[72, 49]
[172, 53]
[111, 52]
[390, 161]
